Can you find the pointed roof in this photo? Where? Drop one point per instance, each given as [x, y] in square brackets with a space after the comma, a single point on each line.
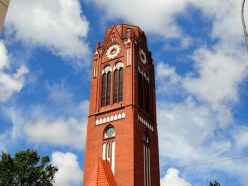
[101, 174]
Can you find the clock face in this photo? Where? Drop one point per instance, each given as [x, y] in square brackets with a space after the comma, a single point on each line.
[113, 51]
[142, 56]
[110, 131]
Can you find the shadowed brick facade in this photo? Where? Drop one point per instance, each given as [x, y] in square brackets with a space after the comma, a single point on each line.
[122, 125]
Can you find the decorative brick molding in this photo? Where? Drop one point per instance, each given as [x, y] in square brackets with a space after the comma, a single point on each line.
[146, 123]
[110, 118]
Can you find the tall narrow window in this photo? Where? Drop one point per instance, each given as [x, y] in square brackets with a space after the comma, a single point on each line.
[104, 88]
[106, 84]
[108, 89]
[146, 93]
[108, 151]
[108, 146]
[147, 165]
[118, 82]
[116, 78]
[120, 91]
[140, 87]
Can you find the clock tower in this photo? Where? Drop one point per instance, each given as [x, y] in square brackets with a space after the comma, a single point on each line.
[122, 137]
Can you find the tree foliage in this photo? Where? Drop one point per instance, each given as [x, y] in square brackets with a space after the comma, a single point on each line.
[215, 183]
[26, 168]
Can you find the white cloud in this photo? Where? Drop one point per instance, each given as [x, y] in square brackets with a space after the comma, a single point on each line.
[44, 128]
[69, 172]
[223, 15]
[160, 17]
[165, 71]
[4, 60]
[168, 74]
[17, 119]
[68, 132]
[215, 81]
[172, 179]
[156, 16]
[240, 136]
[3, 142]
[10, 83]
[62, 123]
[60, 95]
[57, 25]
[187, 132]
[197, 127]
[59, 92]
[218, 77]
[11, 135]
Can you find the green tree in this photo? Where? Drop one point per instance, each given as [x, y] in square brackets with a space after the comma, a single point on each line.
[215, 183]
[26, 168]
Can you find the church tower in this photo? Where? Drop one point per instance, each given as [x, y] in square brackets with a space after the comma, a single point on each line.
[122, 137]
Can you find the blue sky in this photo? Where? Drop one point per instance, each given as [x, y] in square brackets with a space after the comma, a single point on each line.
[201, 82]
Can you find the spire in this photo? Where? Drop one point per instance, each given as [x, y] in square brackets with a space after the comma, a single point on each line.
[101, 174]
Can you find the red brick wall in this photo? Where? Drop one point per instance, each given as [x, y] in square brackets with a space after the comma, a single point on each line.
[129, 162]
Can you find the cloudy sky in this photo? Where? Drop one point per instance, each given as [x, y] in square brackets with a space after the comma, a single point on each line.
[201, 82]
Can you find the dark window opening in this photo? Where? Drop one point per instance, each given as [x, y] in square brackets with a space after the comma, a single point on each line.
[140, 87]
[106, 84]
[118, 85]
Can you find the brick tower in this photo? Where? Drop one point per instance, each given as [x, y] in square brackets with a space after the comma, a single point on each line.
[122, 125]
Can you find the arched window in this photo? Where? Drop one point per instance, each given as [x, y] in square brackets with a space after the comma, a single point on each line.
[118, 82]
[140, 87]
[108, 146]
[147, 165]
[106, 84]
[146, 93]
[143, 89]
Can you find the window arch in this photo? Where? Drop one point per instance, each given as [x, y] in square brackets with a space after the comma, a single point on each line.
[106, 84]
[108, 145]
[140, 87]
[118, 82]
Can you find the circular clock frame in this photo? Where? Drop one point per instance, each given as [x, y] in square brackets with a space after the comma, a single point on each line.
[113, 51]
[142, 56]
